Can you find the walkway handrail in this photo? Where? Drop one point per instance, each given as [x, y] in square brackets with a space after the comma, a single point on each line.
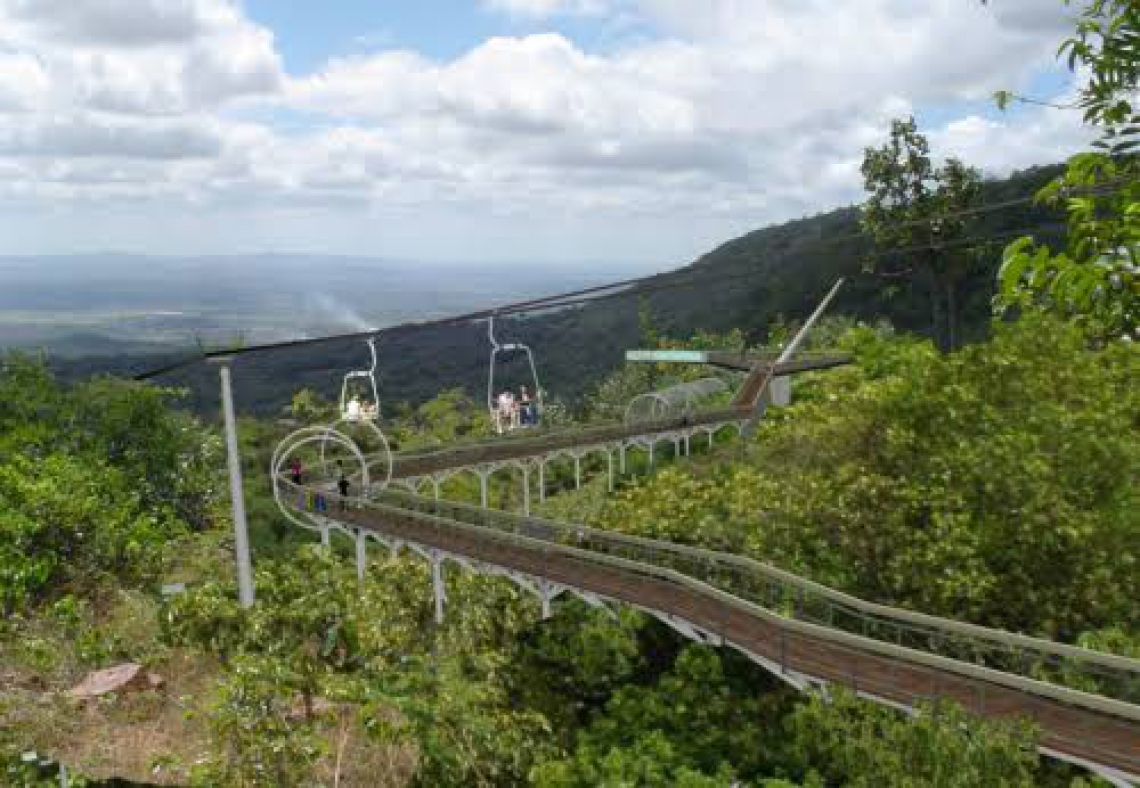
[579, 437]
[804, 600]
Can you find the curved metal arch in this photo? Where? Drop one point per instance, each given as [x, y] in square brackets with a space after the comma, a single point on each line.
[497, 350]
[672, 402]
[296, 440]
[385, 453]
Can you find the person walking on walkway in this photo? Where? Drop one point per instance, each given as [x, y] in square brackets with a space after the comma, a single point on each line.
[342, 484]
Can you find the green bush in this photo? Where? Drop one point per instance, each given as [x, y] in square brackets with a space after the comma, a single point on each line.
[63, 520]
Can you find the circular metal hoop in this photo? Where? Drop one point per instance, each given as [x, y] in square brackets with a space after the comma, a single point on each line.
[383, 458]
[295, 440]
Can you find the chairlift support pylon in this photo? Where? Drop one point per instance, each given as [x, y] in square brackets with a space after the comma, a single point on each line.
[350, 408]
[497, 351]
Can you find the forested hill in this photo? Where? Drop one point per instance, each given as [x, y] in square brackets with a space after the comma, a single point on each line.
[746, 283]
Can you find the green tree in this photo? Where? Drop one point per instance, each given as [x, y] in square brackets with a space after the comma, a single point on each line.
[256, 739]
[309, 406]
[847, 741]
[700, 725]
[1095, 281]
[913, 216]
[994, 484]
[65, 520]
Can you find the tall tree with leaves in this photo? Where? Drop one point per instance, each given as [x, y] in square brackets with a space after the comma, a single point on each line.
[1095, 281]
[913, 214]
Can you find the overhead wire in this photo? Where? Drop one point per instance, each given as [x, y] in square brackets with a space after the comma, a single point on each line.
[633, 286]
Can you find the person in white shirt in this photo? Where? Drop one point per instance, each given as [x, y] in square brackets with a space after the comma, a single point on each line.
[352, 412]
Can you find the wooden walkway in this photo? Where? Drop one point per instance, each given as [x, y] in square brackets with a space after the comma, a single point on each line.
[1079, 726]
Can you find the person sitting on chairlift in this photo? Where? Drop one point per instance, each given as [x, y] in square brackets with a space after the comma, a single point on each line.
[352, 412]
[296, 470]
[368, 410]
[505, 414]
[526, 408]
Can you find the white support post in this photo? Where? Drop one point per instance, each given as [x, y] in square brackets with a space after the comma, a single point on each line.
[651, 445]
[541, 479]
[361, 554]
[437, 586]
[482, 489]
[326, 539]
[577, 472]
[710, 439]
[526, 487]
[621, 458]
[688, 445]
[610, 467]
[435, 487]
[237, 494]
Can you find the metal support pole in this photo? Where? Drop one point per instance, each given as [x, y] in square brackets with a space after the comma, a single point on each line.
[710, 439]
[435, 488]
[621, 458]
[577, 472]
[651, 445]
[610, 467]
[326, 539]
[483, 489]
[542, 480]
[526, 488]
[237, 495]
[361, 554]
[437, 587]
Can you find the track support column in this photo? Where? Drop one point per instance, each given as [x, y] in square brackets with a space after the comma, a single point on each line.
[361, 554]
[482, 488]
[437, 585]
[577, 472]
[237, 491]
[541, 479]
[526, 487]
[610, 468]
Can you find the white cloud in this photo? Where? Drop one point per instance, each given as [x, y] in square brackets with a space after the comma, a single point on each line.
[146, 57]
[542, 9]
[720, 116]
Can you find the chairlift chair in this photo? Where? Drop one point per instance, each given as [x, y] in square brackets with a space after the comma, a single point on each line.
[350, 406]
[501, 421]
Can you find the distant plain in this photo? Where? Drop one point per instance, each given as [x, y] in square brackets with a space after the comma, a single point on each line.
[108, 304]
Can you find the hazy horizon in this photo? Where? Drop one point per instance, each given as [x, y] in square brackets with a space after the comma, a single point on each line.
[108, 303]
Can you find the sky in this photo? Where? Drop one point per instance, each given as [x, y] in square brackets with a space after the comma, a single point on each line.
[536, 132]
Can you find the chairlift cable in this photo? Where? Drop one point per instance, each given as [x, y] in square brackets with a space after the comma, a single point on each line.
[623, 288]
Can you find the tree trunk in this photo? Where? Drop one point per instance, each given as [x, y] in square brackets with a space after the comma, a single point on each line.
[951, 315]
[936, 302]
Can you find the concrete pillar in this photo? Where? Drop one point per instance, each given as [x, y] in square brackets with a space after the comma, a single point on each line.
[237, 492]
